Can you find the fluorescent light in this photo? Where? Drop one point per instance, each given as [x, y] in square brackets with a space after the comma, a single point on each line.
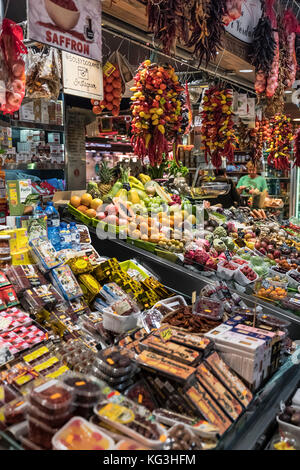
[288, 92]
[246, 71]
[297, 119]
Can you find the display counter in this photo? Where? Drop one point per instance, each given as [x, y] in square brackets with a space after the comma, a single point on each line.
[180, 278]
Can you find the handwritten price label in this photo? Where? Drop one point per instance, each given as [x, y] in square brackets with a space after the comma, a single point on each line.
[166, 334]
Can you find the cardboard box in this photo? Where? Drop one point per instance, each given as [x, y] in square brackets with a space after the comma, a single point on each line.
[17, 193]
[62, 198]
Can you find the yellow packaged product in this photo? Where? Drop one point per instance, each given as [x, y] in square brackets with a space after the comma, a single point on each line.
[91, 284]
[80, 265]
[18, 239]
[21, 258]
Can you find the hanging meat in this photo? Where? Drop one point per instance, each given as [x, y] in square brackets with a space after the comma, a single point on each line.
[263, 46]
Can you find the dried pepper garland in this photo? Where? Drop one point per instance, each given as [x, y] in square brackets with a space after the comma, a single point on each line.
[199, 24]
[207, 29]
[281, 143]
[263, 46]
[157, 111]
[218, 126]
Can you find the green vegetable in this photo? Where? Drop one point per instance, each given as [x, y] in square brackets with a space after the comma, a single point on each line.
[114, 190]
[219, 245]
[220, 232]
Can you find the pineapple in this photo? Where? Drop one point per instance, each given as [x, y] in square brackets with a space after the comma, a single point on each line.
[106, 177]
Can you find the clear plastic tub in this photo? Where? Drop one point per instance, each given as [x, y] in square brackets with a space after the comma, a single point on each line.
[273, 321]
[225, 273]
[292, 282]
[242, 279]
[114, 382]
[112, 363]
[173, 303]
[181, 437]
[87, 389]
[132, 421]
[90, 437]
[290, 428]
[119, 324]
[14, 412]
[84, 411]
[7, 394]
[171, 418]
[52, 397]
[40, 433]
[29, 445]
[209, 309]
[50, 419]
[128, 444]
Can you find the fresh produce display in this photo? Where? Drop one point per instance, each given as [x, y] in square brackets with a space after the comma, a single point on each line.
[218, 126]
[156, 110]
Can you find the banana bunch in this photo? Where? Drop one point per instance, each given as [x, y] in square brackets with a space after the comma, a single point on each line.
[144, 178]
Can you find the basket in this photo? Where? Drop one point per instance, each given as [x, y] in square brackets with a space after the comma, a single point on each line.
[125, 265]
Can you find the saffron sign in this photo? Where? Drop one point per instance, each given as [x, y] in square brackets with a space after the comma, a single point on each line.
[243, 28]
[71, 25]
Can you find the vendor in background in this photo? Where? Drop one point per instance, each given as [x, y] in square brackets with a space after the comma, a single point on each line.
[230, 199]
[253, 182]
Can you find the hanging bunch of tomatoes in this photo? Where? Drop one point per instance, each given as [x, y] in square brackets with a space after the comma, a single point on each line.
[157, 111]
[218, 126]
[112, 85]
[281, 142]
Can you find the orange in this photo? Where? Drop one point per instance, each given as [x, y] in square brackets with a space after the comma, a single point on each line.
[96, 204]
[86, 200]
[82, 209]
[91, 213]
[75, 201]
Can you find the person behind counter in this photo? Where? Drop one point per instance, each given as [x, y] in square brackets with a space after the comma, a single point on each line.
[253, 181]
[230, 199]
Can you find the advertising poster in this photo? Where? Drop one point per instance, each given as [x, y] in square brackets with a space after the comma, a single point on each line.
[71, 25]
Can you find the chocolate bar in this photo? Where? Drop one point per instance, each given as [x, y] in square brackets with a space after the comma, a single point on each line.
[172, 350]
[177, 371]
[222, 396]
[208, 407]
[229, 379]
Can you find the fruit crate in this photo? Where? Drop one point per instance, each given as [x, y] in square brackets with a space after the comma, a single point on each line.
[79, 215]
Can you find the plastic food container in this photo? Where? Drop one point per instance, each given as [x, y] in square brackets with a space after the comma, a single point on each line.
[245, 312]
[173, 303]
[14, 412]
[141, 394]
[225, 273]
[4, 245]
[292, 282]
[119, 324]
[52, 420]
[7, 394]
[79, 434]
[129, 444]
[112, 363]
[241, 279]
[182, 438]
[52, 397]
[210, 309]
[84, 411]
[114, 382]
[29, 445]
[273, 321]
[45, 254]
[87, 389]
[40, 433]
[132, 422]
[85, 238]
[290, 428]
[66, 282]
[5, 262]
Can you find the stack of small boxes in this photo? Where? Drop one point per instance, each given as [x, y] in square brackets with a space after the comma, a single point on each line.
[253, 353]
[19, 250]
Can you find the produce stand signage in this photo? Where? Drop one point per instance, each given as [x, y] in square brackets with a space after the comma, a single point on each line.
[70, 25]
[244, 27]
[82, 77]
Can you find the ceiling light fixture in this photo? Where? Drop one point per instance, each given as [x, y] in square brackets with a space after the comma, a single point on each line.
[246, 71]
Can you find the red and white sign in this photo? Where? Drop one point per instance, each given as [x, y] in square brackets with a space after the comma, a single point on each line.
[71, 25]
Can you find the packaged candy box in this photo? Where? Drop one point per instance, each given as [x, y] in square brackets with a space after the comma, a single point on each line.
[66, 282]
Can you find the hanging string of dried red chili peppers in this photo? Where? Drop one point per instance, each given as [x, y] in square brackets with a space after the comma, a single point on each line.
[198, 24]
[217, 126]
[281, 142]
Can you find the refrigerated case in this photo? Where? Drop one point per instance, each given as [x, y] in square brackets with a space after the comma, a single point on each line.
[295, 193]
